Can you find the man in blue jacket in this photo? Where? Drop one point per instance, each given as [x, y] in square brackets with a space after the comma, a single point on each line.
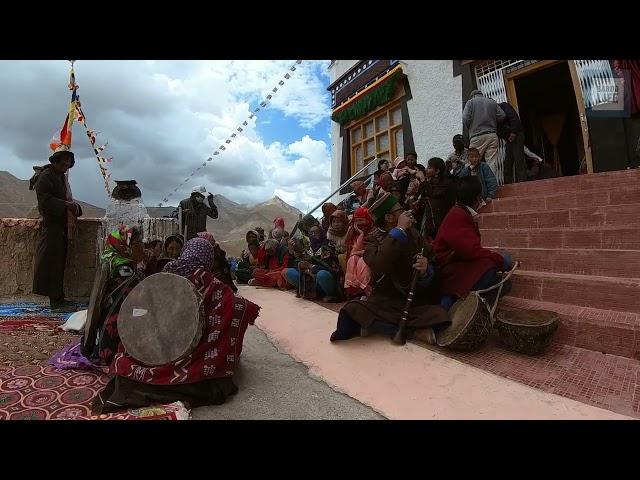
[476, 168]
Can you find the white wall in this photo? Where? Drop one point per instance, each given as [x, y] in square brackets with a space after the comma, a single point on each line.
[436, 107]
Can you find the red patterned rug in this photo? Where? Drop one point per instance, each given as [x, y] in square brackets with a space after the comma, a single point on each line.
[38, 392]
[29, 323]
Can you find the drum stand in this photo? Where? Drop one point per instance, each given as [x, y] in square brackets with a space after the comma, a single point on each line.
[499, 285]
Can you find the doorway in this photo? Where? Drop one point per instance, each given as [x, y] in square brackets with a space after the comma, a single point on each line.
[545, 96]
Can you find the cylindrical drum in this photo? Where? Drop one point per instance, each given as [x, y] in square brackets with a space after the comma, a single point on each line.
[470, 325]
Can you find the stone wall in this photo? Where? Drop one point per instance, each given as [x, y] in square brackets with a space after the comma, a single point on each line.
[18, 238]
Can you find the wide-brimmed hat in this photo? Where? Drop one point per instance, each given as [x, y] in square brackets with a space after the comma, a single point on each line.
[62, 152]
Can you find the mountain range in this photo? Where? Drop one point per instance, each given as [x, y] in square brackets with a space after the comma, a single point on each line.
[229, 229]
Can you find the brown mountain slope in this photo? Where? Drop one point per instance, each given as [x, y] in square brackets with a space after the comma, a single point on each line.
[229, 229]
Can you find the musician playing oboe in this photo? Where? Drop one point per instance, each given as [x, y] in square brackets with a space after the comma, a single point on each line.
[393, 252]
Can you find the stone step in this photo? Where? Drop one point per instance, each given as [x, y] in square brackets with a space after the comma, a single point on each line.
[605, 331]
[609, 293]
[601, 216]
[557, 201]
[594, 181]
[610, 238]
[607, 263]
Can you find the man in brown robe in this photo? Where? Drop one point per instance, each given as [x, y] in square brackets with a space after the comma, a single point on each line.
[392, 252]
[54, 205]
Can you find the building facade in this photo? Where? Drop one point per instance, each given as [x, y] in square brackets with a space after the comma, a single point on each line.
[574, 112]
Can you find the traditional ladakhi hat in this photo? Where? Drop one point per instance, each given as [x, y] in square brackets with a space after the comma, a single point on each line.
[199, 189]
[382, 206]
[61, 152]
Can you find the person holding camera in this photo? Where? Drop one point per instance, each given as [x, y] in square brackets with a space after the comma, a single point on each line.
[195, 212]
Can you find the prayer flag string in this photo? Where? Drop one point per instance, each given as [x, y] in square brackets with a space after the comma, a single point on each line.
[263, 104]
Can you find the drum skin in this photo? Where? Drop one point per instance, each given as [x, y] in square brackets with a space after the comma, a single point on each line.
[161, 320]
[470, 325]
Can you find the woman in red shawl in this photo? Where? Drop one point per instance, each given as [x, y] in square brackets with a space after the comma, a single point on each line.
[464, 264]
[358, 274]
[273, 258]
[204, 377]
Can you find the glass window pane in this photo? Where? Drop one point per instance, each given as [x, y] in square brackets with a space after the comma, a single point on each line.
[356, 135]
[370, 147]
[383, 142]
[368, 130]
[396, 116]
[357, 154]
[399, 143]
[382, 123]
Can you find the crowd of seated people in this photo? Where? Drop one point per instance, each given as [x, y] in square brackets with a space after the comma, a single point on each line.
[362, 251]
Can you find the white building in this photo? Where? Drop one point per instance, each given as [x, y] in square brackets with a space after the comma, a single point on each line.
[569, 109]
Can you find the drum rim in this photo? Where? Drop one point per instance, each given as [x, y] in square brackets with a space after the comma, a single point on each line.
[554, 317]
[94, 311]
[461, 331]
[200, 330]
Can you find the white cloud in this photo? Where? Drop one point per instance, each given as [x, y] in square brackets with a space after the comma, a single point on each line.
[164, 118]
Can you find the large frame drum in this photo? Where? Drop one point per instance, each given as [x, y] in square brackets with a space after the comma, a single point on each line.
[161, 320]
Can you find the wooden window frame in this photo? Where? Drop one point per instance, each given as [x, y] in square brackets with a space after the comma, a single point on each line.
[391, 151]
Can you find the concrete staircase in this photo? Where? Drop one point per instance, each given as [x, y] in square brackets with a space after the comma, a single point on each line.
[578, 241]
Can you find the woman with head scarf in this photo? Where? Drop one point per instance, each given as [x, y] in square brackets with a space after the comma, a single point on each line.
[383, 185]
[436, 194]
[337, 235]
[317, 238]
[205, 376]
[357, 199]
[337, 231]
[260, 232]
[357, 274]
[327, 210]
[273, 258]
[414, 186]
[400, 168]
[124, 257]
[248, 257]
[252, 236]
[278, 223]
[173, 246]
[248, 262]
[298, 248]
[318, 276]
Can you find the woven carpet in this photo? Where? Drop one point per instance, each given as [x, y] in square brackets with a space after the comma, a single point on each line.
[38, 392]
[31, 389]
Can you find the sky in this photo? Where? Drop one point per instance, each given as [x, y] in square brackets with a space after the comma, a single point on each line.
[163, 119]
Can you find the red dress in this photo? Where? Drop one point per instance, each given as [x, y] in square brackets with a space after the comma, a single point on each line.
[216, 356]
[460, 255]
[270, 272]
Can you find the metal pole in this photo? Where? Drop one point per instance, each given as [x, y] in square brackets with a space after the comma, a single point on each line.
[367, 166]
[179, 219]
[355, 175]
